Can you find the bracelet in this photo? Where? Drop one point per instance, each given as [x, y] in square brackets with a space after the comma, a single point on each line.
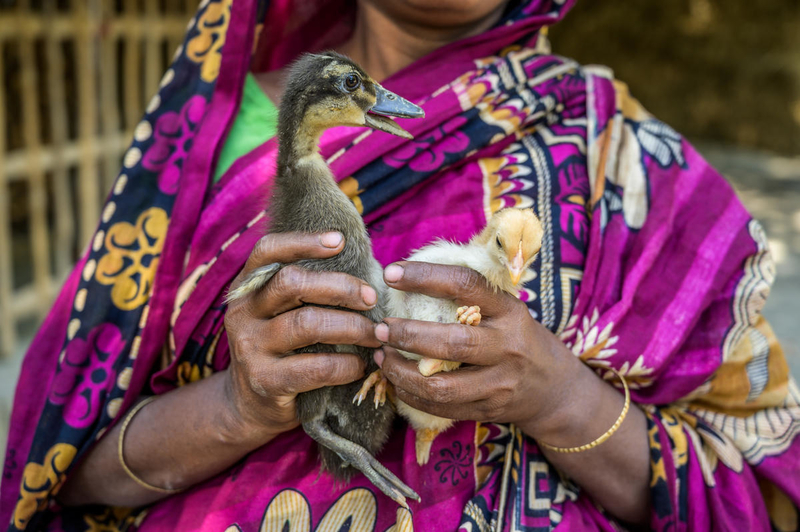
[607, 433]
[121, 454]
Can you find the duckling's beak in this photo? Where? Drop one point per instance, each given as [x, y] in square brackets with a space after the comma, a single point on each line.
[390, 104]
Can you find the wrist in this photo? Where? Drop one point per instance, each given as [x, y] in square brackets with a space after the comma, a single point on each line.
[237, 426]
[582, 410]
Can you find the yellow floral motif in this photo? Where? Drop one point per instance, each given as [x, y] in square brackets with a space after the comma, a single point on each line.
[781, 510]
[657, 469]
[289, 510]
[188, 373]
[680, 444]
[132, 256]
[42, 480]
[112, 519]
[352, 189]
[206, 47]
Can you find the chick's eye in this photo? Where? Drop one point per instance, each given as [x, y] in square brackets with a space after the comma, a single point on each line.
[499, 244]
[351, 82]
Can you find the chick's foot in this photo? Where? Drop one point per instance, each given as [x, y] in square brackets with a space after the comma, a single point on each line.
[375, 380]
[423, 444]
[469, 315]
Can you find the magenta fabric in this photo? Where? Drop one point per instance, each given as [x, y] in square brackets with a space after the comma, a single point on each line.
[649, 265]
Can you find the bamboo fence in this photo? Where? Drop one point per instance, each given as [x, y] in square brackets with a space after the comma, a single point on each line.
[74, 76]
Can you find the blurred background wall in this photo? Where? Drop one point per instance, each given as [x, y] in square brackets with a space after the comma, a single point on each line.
[75, 76]
[725, 74]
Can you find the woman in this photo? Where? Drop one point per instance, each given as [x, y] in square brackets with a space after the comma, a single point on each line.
[650, 267]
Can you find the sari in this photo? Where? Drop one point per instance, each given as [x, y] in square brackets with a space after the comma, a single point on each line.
[649, 265]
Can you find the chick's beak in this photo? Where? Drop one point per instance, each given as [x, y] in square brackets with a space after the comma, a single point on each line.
[515, 267]
[390, 104]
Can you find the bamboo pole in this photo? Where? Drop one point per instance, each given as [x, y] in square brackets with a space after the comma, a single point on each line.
[152, 52]
[110, 116]
[8, 330]
[88, 189]
[133, 90]
[37, 188]
[62, 26]
[63, 206]
[31, 164]
[15, 163]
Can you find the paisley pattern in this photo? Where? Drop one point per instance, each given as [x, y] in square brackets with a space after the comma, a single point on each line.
[641, 270]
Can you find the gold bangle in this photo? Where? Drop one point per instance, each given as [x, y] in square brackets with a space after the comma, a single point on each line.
[121, 455]
[607, 433]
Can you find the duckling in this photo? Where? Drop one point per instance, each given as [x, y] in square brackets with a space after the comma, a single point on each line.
[501, 252]
[323, 91]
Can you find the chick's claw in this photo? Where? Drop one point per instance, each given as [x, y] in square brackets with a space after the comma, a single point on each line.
[469, 315]
[375, 380]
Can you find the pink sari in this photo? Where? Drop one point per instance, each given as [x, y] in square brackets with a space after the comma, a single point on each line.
[650, 266]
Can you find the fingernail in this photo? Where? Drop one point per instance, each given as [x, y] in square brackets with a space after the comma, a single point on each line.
[378, 355]
[369, 295]
[331, 240]
[382, 332]
[393, 273]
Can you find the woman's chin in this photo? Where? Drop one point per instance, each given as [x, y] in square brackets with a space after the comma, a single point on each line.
[439, 13]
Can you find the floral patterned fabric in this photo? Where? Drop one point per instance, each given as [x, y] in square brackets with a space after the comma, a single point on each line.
[649, 265]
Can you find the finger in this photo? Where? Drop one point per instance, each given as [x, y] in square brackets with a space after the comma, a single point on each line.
[474, 411]
[445, 341]
[464, 385]
[462, 285]
[293, 286]
[316, 325]
[291, 247]
[309, 371]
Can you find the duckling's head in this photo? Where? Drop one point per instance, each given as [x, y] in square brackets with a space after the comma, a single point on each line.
[327, 90]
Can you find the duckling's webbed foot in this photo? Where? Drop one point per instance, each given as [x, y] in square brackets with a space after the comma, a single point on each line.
[255, 281]
[358, 457]
[377, 380]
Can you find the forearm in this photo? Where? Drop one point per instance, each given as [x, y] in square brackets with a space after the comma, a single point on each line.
[616, 473]
[181, 438]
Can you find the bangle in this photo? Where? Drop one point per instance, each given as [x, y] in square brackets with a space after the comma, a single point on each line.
[607, 434]
[121, 454]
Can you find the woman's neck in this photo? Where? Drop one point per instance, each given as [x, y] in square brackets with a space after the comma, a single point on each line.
[383, 45]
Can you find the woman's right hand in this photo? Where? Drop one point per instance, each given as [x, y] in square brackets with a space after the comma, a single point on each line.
[266, 326]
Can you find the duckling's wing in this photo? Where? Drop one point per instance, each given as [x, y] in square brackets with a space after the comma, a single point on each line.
[255, 281]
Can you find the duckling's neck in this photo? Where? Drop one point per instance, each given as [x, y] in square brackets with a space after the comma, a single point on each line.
[299, 145]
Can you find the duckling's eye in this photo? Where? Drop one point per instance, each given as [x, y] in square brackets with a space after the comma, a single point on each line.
[499, 244]
[351, 82]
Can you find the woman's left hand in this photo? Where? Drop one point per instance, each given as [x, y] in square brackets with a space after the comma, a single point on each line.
[516, 371]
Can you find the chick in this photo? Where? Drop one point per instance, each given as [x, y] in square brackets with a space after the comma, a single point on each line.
[323, 91]
[501, 252]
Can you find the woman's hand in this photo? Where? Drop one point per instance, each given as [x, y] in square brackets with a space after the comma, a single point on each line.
[234, 412]
[516, 371]
[265, 326]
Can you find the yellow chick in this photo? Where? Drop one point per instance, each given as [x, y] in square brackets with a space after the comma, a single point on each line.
[502, 253]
